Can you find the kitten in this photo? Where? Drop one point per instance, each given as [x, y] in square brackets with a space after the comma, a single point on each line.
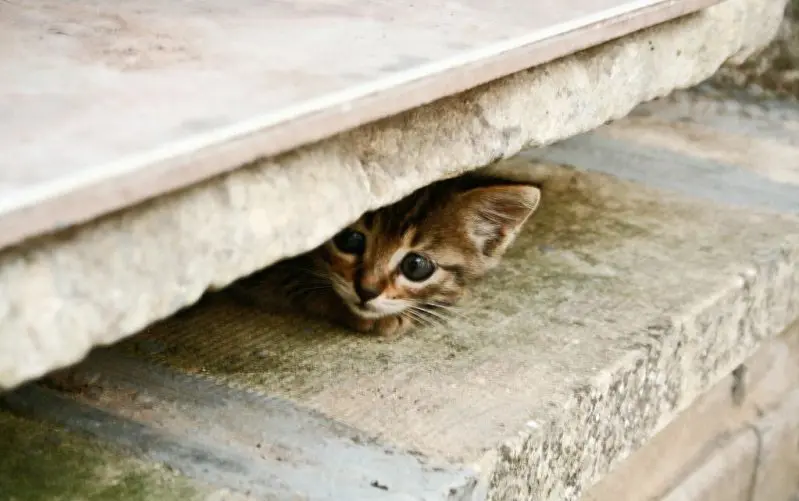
[408, 263]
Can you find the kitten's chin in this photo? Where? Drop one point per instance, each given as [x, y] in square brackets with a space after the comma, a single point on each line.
[367, 313]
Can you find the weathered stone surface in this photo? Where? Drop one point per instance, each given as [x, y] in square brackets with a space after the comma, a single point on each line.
[142, 98]
[39, 462]
[774, 70]
[754, 408]
[618, 306]
[627, 296]
[96, 284]
[238, 440]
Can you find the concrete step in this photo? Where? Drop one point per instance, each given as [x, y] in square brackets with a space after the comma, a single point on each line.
[657, 264]
[198, 117]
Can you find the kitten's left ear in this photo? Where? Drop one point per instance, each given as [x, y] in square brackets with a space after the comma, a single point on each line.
[494, 215]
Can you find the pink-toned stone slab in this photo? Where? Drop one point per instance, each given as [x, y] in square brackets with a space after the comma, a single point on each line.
[104, 104]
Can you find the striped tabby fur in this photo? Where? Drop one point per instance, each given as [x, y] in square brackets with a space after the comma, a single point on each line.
[409, 263]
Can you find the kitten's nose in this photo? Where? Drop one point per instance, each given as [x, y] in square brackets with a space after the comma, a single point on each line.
[367, 293]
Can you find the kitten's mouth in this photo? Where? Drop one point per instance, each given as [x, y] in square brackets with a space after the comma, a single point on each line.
[370, 310]
[366, 311]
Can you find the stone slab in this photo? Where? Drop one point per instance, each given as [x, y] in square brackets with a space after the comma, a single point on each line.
[618, 306]
[623, 301]
[62, 294]
[141, 97]
[235, 439]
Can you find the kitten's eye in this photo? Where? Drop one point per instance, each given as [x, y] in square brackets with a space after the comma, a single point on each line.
[350, 241]
[417, 267]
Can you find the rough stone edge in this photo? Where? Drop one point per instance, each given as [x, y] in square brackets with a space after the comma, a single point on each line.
[61, 295]
[668, 366]
[772, 72]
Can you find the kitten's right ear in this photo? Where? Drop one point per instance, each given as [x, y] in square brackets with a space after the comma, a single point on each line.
[494, 215]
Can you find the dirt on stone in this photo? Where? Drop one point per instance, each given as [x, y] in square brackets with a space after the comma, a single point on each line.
[774, 71]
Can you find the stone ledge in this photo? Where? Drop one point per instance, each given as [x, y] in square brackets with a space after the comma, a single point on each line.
[93, 285]
[609, 312]
[626, 298]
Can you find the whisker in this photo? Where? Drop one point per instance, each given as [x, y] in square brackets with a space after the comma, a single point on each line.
[304, 291]
[406, 314]
[448, 309]
[338, 280]
[317, 273]
[304, 284]
[443, 306]
[433, 318]
[313, 273]
[416, 318]
[431, 312]
[412, 313]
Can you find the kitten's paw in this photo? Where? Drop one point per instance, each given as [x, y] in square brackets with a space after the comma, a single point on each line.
[392, 326]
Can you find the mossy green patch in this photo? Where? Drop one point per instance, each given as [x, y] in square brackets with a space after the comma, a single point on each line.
[39, 462]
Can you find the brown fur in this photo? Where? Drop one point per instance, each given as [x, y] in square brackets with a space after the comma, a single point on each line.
[462, 225]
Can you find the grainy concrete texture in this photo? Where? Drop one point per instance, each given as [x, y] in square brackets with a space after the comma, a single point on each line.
[664, 255]
[738, 441]
[93, 285]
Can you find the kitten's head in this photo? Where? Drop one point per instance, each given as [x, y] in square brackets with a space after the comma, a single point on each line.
[420, 253]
